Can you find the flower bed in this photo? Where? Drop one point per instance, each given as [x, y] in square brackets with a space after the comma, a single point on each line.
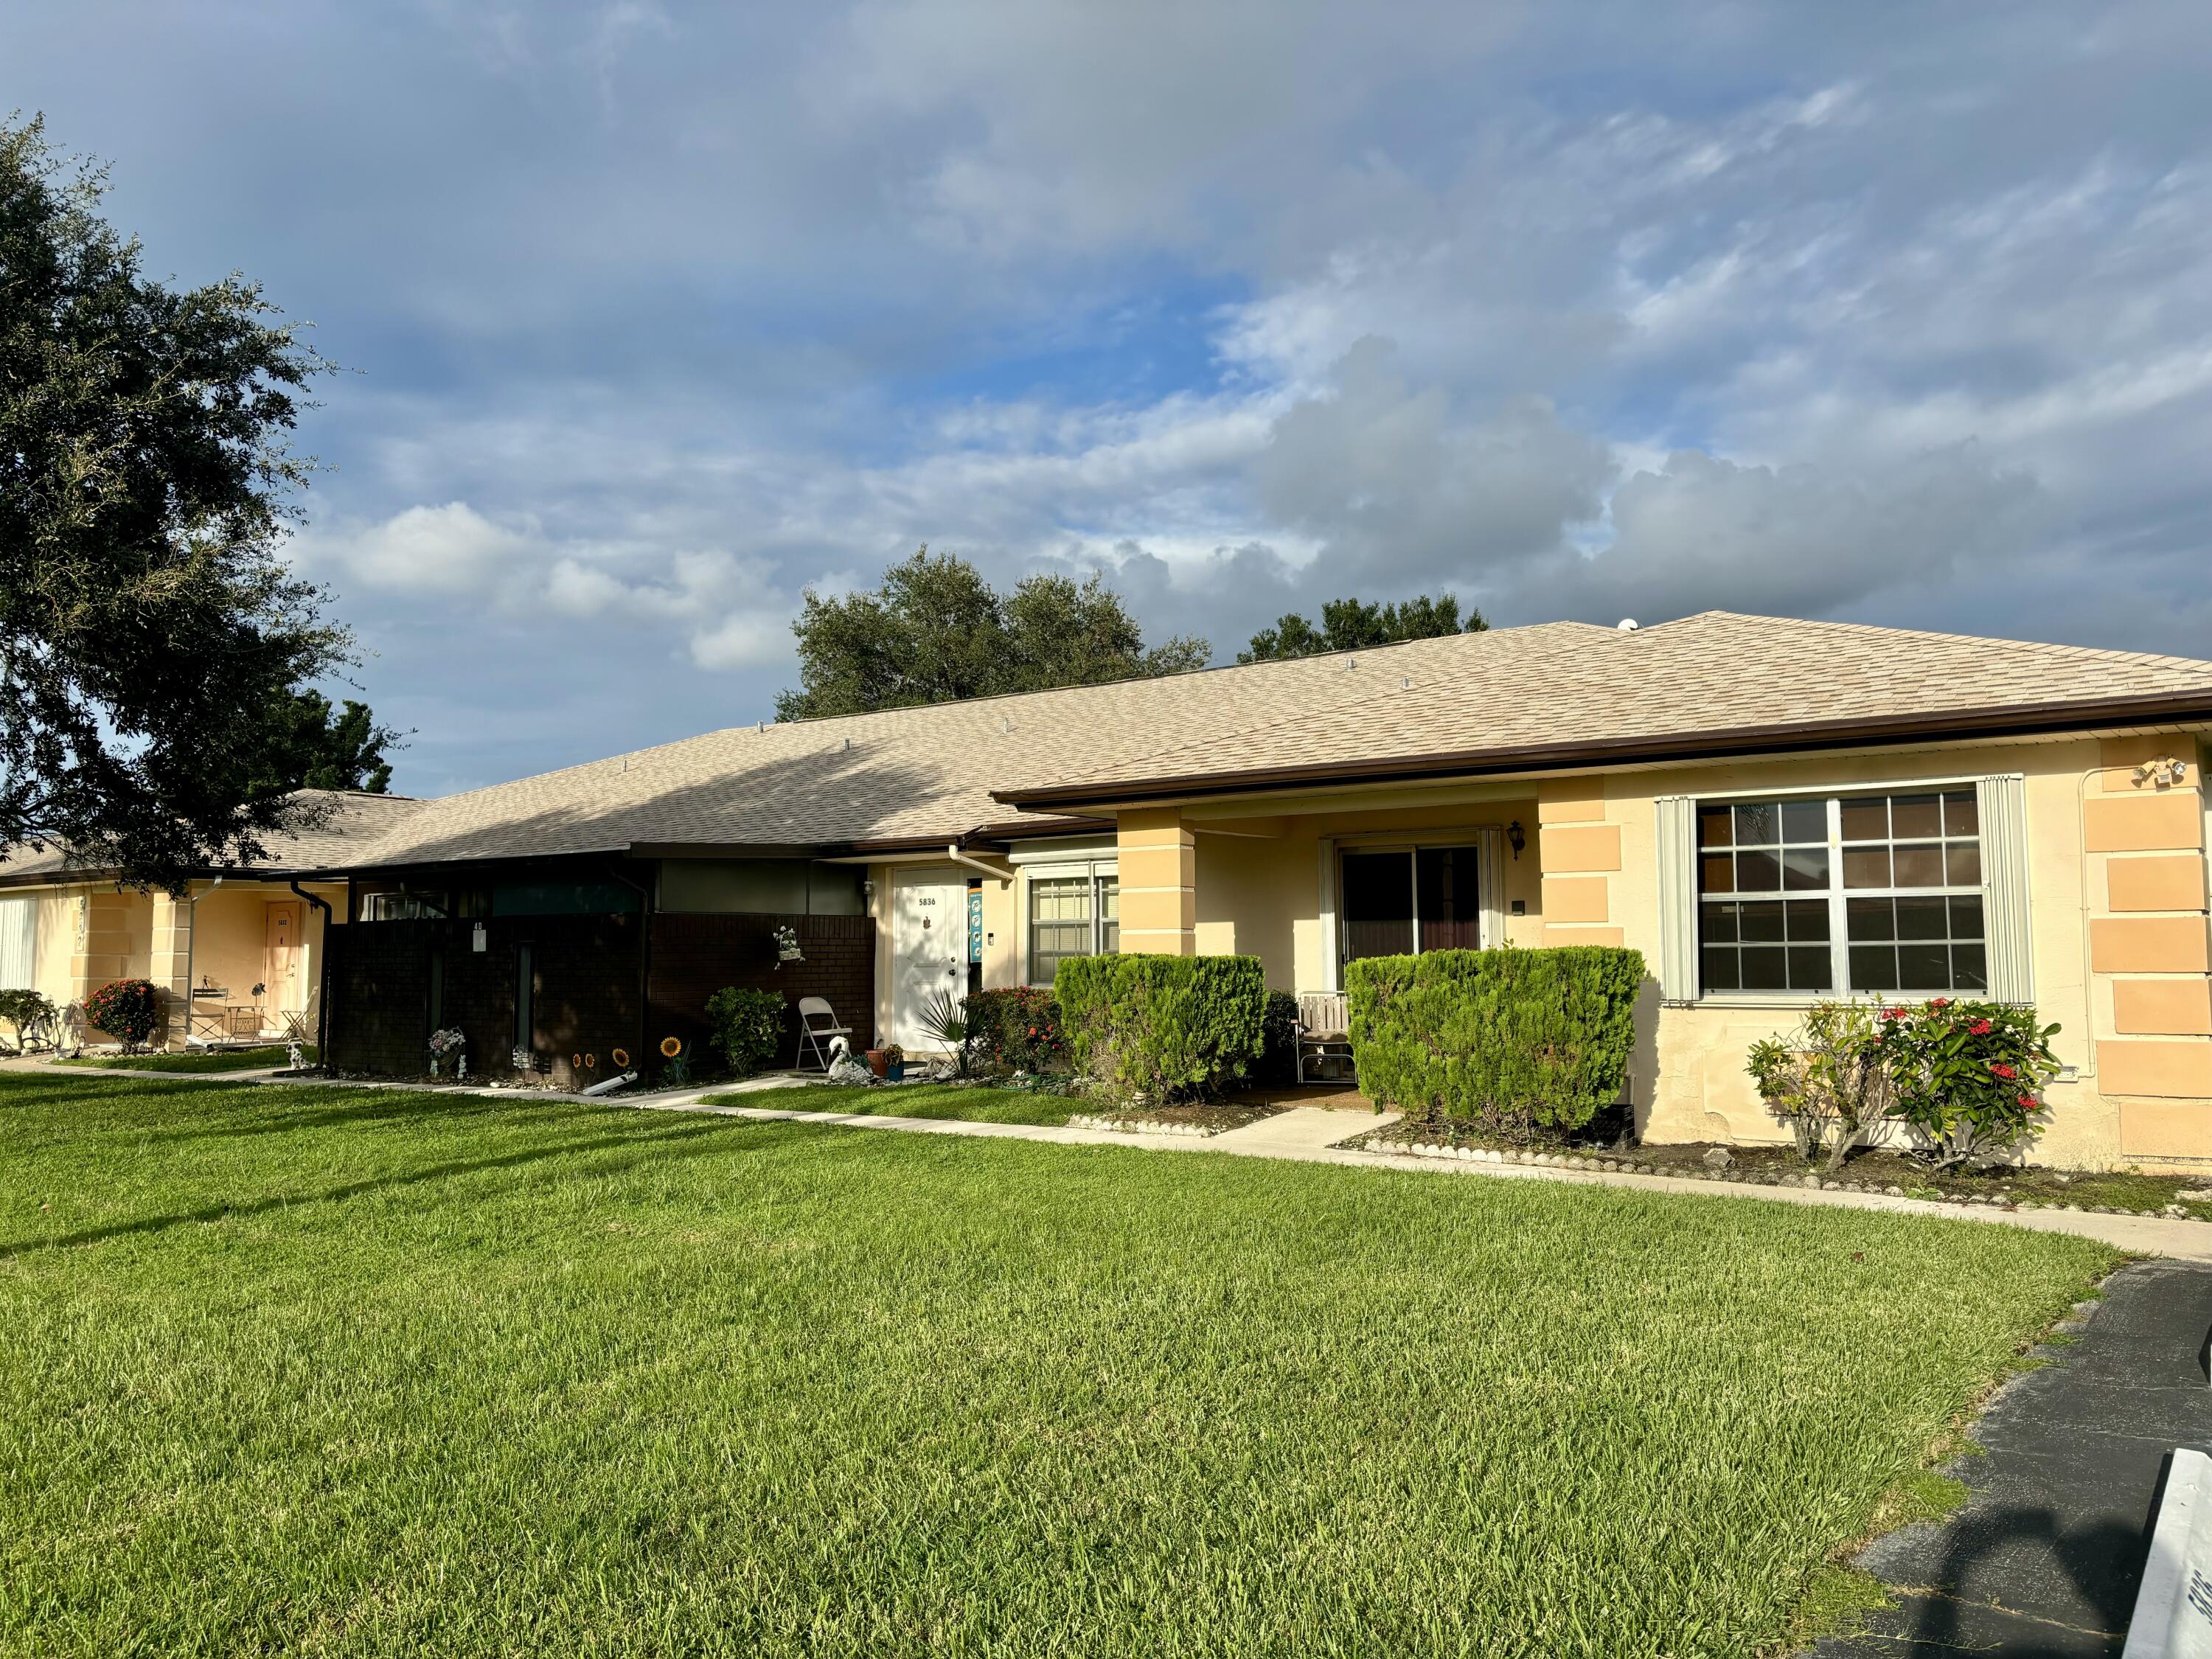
[1871, 1170]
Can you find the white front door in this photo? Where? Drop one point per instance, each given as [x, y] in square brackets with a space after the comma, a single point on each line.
[929, 949]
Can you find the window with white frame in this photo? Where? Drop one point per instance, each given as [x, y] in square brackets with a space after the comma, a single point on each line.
[1880, 894]
[1071, 915]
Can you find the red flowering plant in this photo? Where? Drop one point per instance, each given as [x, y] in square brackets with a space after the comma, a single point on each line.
[128, 1010]
[1017, 1029]
[1968, 1076]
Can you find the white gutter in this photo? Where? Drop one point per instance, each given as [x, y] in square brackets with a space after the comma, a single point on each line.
[997, 872]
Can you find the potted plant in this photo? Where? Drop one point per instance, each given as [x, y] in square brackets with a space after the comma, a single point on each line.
[894, 1063]
[786, 944]
[449, 1041]
[878, 1061]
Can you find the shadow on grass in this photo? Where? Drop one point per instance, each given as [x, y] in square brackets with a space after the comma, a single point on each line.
[378, 1108]
[659, 1141]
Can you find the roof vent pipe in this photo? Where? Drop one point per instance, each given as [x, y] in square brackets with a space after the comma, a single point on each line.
[1628, 624]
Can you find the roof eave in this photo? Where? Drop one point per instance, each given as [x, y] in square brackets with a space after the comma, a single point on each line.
[2009, 720]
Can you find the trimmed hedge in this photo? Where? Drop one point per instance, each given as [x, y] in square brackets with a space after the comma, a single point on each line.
[1163, 1028]
[1513, 1040]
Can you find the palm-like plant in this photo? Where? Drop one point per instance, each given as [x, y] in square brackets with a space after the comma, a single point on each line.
[942, 1021]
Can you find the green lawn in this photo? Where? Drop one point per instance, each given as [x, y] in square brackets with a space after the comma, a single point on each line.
[313, 1371]
[230, 1060]
[938, 1100]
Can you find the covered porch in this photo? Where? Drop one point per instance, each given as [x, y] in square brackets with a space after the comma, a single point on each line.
[237, 962]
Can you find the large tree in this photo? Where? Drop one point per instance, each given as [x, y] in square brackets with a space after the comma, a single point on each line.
[147, 624]
[326, 748]
[936, 631]
[1361, 625]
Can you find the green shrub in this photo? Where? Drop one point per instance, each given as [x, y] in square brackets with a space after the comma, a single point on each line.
[129, 1010]
[1969, 1076]
[1163, 1028]
[1514, 1041]
[746, 1025]
[24, 1010]
[1016, 1028]
[1826, 1079]
[1279, 1042]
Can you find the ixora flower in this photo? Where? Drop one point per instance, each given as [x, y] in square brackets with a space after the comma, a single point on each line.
[1939, 1002]
[1979, 1028]
[2027, 1102]
[2001, 1069]
[1893, 1014]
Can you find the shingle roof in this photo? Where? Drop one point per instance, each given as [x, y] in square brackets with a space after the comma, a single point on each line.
[1717, 682]
[906, 777]
[1555, 694]
[348, 821]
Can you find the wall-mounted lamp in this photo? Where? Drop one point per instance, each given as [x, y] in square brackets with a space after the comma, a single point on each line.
[1515, 837]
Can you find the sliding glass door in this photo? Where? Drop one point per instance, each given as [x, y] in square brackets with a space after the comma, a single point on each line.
[1411, 898]
[1378, 904]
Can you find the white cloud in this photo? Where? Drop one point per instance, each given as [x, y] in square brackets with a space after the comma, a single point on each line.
[447, 550]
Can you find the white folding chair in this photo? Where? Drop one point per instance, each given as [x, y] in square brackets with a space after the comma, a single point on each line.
[814, 1037]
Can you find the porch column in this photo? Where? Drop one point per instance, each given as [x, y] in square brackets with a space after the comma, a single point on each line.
[170, 962]
[1156, 856]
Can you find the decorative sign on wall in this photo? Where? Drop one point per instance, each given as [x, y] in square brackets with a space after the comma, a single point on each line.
[975, 924]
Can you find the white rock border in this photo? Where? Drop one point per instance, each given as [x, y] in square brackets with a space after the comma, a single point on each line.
[1601, 1165]
[1123, 1126]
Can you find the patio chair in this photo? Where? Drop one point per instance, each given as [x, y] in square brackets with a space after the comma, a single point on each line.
[815, 1037]
[1325, 1037]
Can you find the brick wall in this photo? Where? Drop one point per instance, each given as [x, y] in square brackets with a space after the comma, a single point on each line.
[696, 956]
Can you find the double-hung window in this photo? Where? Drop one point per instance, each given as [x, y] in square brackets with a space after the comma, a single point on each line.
[1874, 894]
[1071, 915]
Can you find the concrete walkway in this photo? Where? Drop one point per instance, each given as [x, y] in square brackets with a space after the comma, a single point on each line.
[1309, 1134]
[2043, 1560]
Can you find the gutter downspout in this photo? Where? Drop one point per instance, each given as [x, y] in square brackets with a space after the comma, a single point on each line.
[322, 972]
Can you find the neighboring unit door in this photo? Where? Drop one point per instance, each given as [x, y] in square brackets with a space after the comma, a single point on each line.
[280, 960]
[929, 948]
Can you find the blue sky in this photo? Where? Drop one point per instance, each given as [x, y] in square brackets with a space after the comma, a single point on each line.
[654, 316]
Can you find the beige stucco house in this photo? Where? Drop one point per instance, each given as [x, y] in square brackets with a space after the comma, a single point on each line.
[1771, 811]
[239, 954]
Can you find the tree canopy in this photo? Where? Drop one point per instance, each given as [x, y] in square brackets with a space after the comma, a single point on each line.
[936, 631]
[326, 748]
[147, 622]
[1361, 625]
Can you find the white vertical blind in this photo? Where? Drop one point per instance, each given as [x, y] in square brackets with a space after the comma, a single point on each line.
[1678, 899]
[1489, 876]
[19, 944]
[2002, 807]
[1332, 943]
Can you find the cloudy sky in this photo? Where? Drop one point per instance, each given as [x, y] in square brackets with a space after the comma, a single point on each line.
[655, 315]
